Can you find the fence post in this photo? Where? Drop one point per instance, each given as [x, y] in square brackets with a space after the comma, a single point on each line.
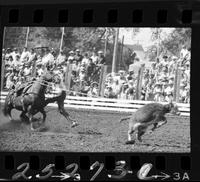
[177, 82]
[67, 76]
[102, 80]
[139, 82]
[2, 73]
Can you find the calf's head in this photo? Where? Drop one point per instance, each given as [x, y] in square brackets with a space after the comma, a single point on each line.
[172, 108]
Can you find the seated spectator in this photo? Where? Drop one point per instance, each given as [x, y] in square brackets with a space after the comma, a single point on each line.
[93, 91]
[183, 93]
[130, 90]
[109, 93]
[8, 53]
[130, 75]
[82, 74]
[121, 77]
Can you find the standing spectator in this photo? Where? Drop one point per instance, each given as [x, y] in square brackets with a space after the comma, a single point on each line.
[71, 58]
[90, 69]
[48, 58]
[164, 62]
[74, 68]
[122, 77]
[31, 57]
[78, 57]
[17, 61]
[9, 78]
[94, 58]
[61, 58]
[135, 67]
[158, 92]
[183, 52]
[101, 58]
[169, 91]
[85, 59]
[25, 55]
[172, 64]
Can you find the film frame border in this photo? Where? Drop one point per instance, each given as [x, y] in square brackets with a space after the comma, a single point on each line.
[147, 15]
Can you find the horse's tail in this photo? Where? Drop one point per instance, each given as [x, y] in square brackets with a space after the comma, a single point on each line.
[7, 107]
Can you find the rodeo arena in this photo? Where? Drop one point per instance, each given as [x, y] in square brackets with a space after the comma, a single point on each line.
[76, 100]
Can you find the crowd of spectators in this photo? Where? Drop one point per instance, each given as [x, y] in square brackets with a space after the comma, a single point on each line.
[157, 81]
[21, 67]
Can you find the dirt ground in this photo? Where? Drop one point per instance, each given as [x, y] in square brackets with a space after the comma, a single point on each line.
[98, 131]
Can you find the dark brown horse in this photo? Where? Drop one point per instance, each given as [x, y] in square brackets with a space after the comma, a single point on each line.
[32, 102]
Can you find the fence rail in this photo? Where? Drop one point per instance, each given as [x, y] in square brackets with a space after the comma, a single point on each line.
[118, 105]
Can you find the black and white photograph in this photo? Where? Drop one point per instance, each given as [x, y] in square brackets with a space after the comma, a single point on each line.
[95, 89]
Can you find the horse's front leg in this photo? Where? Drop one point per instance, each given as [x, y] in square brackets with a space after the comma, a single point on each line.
[30, 116]
[44, 115]
[66, 115]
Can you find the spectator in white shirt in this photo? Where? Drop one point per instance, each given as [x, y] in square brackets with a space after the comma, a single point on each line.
[48, 58]
[94, 58]
[61, 58]
[25, 55]
[71, 57]
[85, 59]
[32, 56]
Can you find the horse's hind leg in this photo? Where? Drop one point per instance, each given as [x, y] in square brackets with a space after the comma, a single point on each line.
[30, 115]
[65, 114]
[23, 116]
[44, 116]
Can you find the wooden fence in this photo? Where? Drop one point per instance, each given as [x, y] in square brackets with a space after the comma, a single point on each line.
[117, 105]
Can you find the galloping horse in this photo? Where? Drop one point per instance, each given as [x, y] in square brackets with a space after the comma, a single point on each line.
[33, 100]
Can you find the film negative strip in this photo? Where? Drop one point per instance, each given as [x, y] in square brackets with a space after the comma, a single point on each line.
[99, 91]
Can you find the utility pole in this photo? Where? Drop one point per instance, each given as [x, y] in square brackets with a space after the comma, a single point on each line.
[62, 36]
[3, 61]
[122, 47]
[27, 33]
[115, 51]
[106, 42]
